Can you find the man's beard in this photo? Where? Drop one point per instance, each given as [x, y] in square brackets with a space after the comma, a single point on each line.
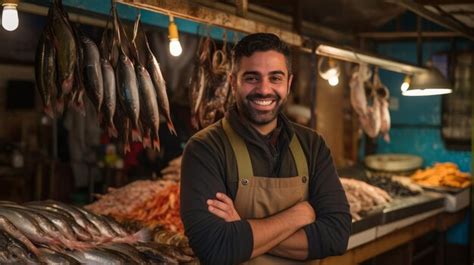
[259, 117]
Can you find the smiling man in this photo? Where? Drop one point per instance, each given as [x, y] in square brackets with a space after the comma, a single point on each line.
[255, 187]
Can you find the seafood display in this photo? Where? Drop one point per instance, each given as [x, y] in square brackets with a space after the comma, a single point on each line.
[124, 84]
[442, 174]
[52, 232]
[363, 197]
[210, 88]
[151, 203]
[396, 186]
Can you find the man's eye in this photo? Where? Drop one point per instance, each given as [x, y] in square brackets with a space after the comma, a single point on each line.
[276, 79]
[250, 79]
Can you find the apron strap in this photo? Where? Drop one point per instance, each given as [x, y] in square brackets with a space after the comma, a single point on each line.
[244, 165]
[299, 157]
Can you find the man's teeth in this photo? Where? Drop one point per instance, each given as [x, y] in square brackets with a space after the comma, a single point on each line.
[263, 102]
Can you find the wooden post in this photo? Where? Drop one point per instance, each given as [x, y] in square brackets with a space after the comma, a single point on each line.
[242, 7]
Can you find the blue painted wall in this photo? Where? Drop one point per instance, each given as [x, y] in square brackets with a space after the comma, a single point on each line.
[416, 123]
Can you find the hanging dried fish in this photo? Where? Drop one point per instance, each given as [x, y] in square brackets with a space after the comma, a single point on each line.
[126, 79]
[45, 71]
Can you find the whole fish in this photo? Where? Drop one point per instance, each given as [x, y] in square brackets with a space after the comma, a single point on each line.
[45, 70]
[159, 84]
[8, 227]
[65, 208]
[77, 100]
[49, 256]
[97, 257]
[123, 255]
[66, 54]
[149, 111]
[127, 90]
[51, 230]
[100, 223]
[132, 252]
[65, 219]
[155, 254]
[68, 227]
[92, 73]
[110, 96]
[13, 251]
[28, 226]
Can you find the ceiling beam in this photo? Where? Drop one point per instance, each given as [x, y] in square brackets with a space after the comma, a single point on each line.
[271, 17]
[436, 18]
[408, 35]
[192, 11]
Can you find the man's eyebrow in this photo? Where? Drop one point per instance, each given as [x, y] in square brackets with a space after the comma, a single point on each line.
[278, 72]
[251, 73]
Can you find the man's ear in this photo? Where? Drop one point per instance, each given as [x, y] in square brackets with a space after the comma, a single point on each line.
[290, 79]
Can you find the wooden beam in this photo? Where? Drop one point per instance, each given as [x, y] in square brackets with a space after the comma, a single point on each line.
[298, 17]
[408, 35]
[436, 18]
[242, 7]
[192, 11]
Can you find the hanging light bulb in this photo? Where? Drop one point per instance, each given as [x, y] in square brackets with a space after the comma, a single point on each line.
[10, 19]
[406, 83]
[332, 71]
[333, 81]
[175, 46]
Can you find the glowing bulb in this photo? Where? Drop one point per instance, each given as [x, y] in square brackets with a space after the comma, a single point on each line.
[175, 47]
[10, 17]
[406, 83]
[405, 86]
[333, 81]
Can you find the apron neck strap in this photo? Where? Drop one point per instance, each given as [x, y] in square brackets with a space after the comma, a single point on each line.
[298, 156]
[244, 164]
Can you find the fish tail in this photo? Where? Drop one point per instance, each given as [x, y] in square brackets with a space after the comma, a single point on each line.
[156, 144]
[136, 137]
[144, 235]
[171, 127]
[60, 105]
[67, 84]
[126, 148]
[146, 141]
[48, 109]
[79, 102]
[112, 130]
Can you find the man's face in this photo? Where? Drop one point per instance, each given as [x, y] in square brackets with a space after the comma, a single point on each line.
[261, 86]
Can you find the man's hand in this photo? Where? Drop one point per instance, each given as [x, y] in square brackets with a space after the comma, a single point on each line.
[223, 207]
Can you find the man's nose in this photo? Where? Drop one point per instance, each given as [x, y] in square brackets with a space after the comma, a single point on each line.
[265, 86]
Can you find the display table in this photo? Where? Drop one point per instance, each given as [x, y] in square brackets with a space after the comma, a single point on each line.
[432, 221]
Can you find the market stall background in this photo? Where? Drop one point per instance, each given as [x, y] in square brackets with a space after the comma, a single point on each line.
[417, 122]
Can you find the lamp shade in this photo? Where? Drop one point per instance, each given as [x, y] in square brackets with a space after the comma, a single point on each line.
[428, 83]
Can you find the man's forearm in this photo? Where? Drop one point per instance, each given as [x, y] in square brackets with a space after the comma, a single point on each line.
[271, 231]
[294, 247]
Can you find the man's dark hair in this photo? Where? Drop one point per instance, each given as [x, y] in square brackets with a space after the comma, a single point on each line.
[260, 42]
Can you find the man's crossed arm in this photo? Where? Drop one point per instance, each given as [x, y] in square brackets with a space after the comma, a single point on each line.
[281, 234]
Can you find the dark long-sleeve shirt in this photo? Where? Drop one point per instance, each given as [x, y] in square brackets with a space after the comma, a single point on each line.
[209, 166]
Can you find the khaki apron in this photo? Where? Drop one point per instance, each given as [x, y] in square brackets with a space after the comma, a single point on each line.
[260, 197]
